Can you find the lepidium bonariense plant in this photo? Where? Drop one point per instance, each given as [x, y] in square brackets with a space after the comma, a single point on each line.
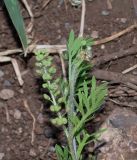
[74, 100]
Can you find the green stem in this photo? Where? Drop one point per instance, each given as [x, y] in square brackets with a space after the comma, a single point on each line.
[71, 138]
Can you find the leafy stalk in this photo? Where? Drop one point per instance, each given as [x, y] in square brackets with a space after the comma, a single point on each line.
[80, 95]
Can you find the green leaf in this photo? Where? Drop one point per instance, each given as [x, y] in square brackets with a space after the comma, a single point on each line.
[59, 152]
[17, 20]
[70, 41]
[46, 97]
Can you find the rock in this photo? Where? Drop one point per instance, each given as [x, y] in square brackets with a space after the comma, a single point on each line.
[7, 83]
[17, 114]
[120, 136]
[6, 94]
[105, 13]
[32, 153]
[94, 34]
[1, 73]
[2, 156]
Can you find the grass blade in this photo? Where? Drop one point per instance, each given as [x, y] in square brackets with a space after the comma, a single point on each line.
[17, 20]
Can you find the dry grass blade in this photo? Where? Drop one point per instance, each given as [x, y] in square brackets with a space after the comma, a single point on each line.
[34, 121]
[129, 69]
[17, 71]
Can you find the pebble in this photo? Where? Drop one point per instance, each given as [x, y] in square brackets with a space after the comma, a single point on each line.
[17, 114]
[48, 132]
[6, 94]
[94, 34]
[123, 20]
[105, 13]
[68, 26]
[1, 73]
[2, 156]
[134, 72]
[7, 83]
[40, 118]
[51, 149]
[102, 46]
[32, 153]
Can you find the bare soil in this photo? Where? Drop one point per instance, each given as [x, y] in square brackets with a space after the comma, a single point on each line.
[52, 25]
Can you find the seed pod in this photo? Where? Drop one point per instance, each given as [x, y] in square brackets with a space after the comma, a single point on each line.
[55, 108]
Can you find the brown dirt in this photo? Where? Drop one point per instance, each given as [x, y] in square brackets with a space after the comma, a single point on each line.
[52, 25]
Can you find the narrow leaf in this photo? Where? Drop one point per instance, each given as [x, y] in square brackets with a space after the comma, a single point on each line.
[17, 20]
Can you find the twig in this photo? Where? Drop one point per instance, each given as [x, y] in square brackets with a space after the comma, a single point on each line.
[110, 38]
[109, 4]
[61, 48]
[17, 71]
[9, 52]
[46, 3]
[63, 66]
[106, 58]
[114, 76]
[129, 69]
[7, 114]
[121, 104]
[34, 121]
[82, 18]
[5, 59]
[46, 149]
[130, 85]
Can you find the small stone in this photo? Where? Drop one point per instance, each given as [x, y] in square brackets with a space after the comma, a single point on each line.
[123, 20]
[134, 72]
[51, 149]
[6, 94]
[94, 34]
[32, 153]
[68, 26]
[17, 114]
[40, 118]
[21, 91]
[48, 132]
[2, 156]
[6, 83]
[20, 130]
[1, 73]
[102, 46]
[105, 13]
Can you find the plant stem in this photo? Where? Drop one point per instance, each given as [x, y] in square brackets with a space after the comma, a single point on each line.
[71, 138]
